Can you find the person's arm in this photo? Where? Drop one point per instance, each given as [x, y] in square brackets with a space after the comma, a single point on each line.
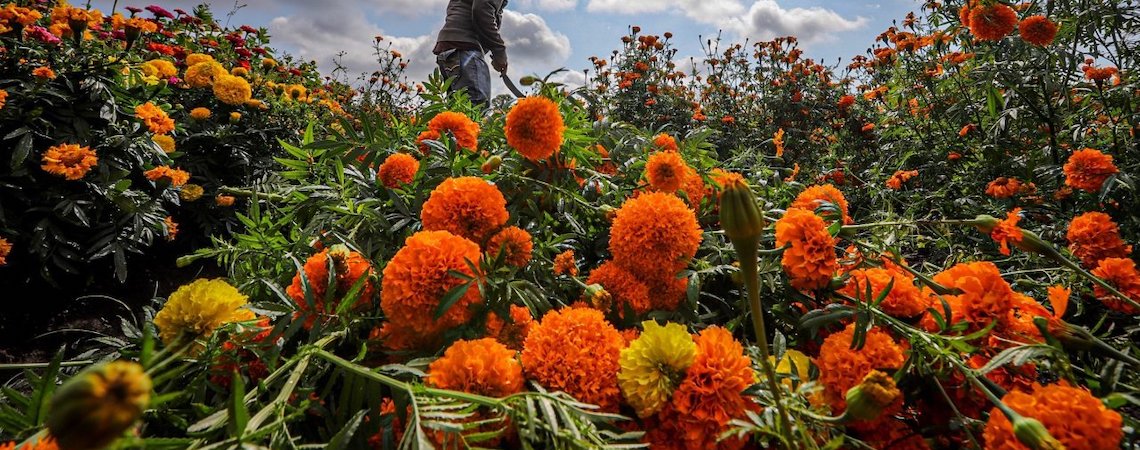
[485, 15]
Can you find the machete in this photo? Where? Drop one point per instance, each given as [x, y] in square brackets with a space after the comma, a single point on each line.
[511, 85]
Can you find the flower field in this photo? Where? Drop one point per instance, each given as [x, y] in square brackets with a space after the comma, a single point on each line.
[207, 244]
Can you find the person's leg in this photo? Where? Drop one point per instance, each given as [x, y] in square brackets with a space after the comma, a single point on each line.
[477, 78]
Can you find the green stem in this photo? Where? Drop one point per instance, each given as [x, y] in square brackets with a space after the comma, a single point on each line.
[394, 383]
[247, 193]
[22, 366]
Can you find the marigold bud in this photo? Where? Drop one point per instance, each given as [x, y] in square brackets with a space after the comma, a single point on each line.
[96, 406]
[598, 297]
[868, 399]
[528, 80]
[1033, 434]
[740, 218]
[492, 164]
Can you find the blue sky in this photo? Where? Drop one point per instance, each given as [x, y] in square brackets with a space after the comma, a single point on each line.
[543, 35]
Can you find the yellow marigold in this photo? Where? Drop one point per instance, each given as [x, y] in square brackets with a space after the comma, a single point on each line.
[842, 367]
[171, 228]
[165, 142]
[514, 244]
[70, 161]
[203, 74]
[466, 206]
[666, 171]
[816, 196]
[654, 364]
[1071, 415]
[232, 90]
[654, 233]
[397, 170]
[465, 130]
[903, 300]
[565, 263]
[809, 259]
[417, 278]
[5, 250]
[268, 63]
[191, 193]
[1088, 169]
[155, 118]
[710, 396]
[235, 117]
[159, 68]
[1007, 231]
[627, 290]
[296, 92]
[1122, 274]
[194, 59]
[482, 366]
[176, 177]
[985, 295]
[534, 128]
[197, 309]
[200, 113]
[665, 142]
[576, 351]
[794, 362]
[1093, 236]
[240, 72]
[349, 266]
[43, 73]
[514, 333]
[224, 201]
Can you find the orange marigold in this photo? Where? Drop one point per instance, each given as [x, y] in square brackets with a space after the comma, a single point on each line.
[1056, 406]
[514, 333]
[626, 289]
[900, 177]
[576, 351]
[992, 22]
[903, 300]
[397, 170]
[654, 233]
[514, 244]
[155, 118]
[176, 177]
[665, 142]
[809, 259]
[1007, 231]
[466, 206]
[710, 396]
[1093, 236]
[665, 171]
[722, 178]
[427, 135]
[171, 228]
[70, 161]
[224, 201]
[534, 128]
[816, 196]
[1037, 30]
[349, 266]
[565, 263]
[1003, 187]
[985, 295]
[694, 187]
[842, 367]
[43, 73]
[1120, 273]
[482, 366]
[46, 443]
[418, 277]
[1088, 169]
[3, 98]
[465, 130]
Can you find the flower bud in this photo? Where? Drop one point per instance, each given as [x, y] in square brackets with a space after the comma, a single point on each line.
[492, 164]
[868, 399]
[528, 80]
[96, 406]
[740, 218]
[598, 297]
[1033, 434]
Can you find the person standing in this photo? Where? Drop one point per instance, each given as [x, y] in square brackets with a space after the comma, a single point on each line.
[470, 30]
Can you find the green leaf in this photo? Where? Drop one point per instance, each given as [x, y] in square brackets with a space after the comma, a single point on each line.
[239, 414]
[451, 298]
[41, 397]
[22, 150]
[342, 438]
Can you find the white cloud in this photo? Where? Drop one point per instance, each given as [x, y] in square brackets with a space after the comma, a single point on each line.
[529, 40]
[547, 5]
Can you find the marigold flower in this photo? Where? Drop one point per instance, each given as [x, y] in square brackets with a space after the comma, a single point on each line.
[842, 367]
[654, 364]
[191, 192]
[3, 98]
[693, 186]
[809, 259]
[778, 141]
[654, 233]
[1093, 236]
[992, 22]
[349, 266]
[465, 130]
[665, 171]
[1088, 169]
[47, 443]
[903, 300]
[816, 196]
[1003, 187]
[514, 244]
[197, 309]
[5, 250]
[846, 101]
[232, 90]
[194, 59]
[1099, 74]
[565, 263]
[70, 161]
[417, 278]
[1056, 406]
[1007, 231]
[576, 351]
[171, 228]
[95, 407]
[511, 334]
[155, 118]
[967, 129]
[985, 295]
[235, 117]
[723, 178]
[868, 399]
[665, 142]
[224, 201]
[203, 74]
[159, 68]
[1037, 30]
[1122, 274]
[165, 142]
[43, 73]
[482, 366]
[466, 206]
[176, 177]
[534, 127]
[627, 290]
[900, 177]
[426, 135]
[397, 170]
[200, 113]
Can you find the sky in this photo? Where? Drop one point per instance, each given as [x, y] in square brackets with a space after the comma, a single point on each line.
[544, 35]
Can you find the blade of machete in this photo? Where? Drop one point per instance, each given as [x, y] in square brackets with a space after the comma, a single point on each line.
[511, 85]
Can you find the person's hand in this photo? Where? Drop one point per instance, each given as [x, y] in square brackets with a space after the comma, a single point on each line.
[499, 62]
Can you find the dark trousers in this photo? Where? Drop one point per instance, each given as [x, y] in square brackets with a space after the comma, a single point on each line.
[468, 71]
